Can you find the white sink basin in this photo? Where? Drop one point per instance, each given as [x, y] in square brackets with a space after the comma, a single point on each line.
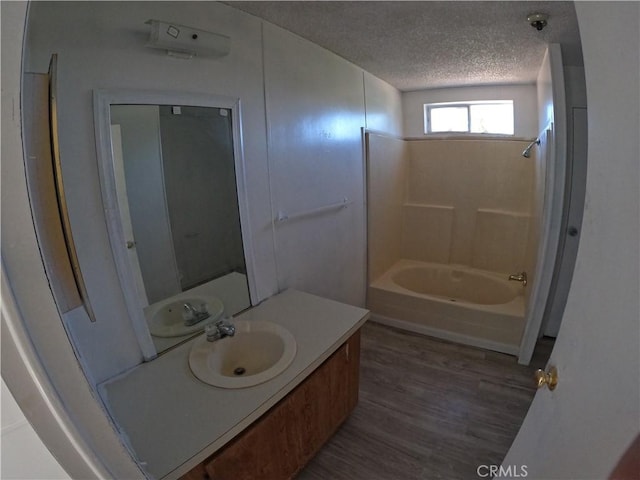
[257, 352]
[166, 320]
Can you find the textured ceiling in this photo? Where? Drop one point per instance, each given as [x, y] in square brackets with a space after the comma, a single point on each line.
[423, 44]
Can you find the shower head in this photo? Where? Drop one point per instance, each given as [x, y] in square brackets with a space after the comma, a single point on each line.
[526, 153]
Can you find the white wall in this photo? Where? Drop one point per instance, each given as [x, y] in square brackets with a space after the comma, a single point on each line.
[315, 113]
[523, 96]
[58, 400]
[312, 157]
[114, 34]
[383, 106]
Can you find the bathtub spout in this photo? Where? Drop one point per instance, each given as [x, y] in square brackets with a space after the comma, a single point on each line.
[520, 277]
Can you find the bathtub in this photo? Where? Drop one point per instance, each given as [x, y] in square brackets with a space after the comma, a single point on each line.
[452, 302]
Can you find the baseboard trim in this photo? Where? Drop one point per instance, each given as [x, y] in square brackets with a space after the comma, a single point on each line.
[446, 335]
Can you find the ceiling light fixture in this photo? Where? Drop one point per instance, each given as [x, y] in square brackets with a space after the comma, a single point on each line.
[186, 42]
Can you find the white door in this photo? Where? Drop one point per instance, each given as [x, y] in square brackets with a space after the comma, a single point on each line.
[579, 430]
[125, 216]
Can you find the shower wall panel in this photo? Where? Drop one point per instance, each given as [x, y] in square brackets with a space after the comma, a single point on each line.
[500, 241]
[386, 176]
[427, 232]
[473, 176]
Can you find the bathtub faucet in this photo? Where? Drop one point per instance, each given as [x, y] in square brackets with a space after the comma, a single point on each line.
[520, 277]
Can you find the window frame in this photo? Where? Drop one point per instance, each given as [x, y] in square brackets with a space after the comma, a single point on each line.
[428, 107]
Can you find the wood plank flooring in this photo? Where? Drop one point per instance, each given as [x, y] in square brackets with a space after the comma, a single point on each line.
[428, 409]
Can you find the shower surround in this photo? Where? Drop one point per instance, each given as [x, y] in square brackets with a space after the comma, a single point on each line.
[456, 205]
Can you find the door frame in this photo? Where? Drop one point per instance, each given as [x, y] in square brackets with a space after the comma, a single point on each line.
[551, 215]
[572, 218]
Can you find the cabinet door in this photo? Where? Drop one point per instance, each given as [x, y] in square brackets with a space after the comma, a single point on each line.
[327, 400]
[281, 442]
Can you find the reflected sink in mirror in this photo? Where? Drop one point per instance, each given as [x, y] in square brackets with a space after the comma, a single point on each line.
[169, 319]
[258, 352]
[170, 162]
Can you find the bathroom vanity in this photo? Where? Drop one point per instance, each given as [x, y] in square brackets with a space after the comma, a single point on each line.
[177, 426]
[283, 440]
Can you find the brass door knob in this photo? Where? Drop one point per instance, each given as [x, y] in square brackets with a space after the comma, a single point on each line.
[550, 378]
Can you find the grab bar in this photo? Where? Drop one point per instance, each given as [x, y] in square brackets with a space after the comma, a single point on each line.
[284, 217]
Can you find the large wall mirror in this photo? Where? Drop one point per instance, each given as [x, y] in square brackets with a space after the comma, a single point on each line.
[171, 174]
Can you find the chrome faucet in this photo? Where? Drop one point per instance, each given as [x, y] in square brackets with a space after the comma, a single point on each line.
[521, 277]
[218, 330]
[193, 315]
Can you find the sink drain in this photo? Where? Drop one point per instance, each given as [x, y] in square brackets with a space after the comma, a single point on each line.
[239, 371]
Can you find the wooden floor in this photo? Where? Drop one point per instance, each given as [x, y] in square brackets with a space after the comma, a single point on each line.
[428, 409]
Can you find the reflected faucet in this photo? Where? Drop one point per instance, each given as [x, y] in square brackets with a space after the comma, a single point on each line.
[218, 330]
[192, 315]
[520, 277]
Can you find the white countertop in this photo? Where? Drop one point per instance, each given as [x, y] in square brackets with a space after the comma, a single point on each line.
[173, 421]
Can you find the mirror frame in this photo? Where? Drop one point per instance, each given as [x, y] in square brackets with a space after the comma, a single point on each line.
[129, 281]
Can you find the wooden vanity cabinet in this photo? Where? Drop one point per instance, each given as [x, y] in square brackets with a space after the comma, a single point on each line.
[281, 442]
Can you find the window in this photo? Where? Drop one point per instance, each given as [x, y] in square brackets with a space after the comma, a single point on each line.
[489, 117]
